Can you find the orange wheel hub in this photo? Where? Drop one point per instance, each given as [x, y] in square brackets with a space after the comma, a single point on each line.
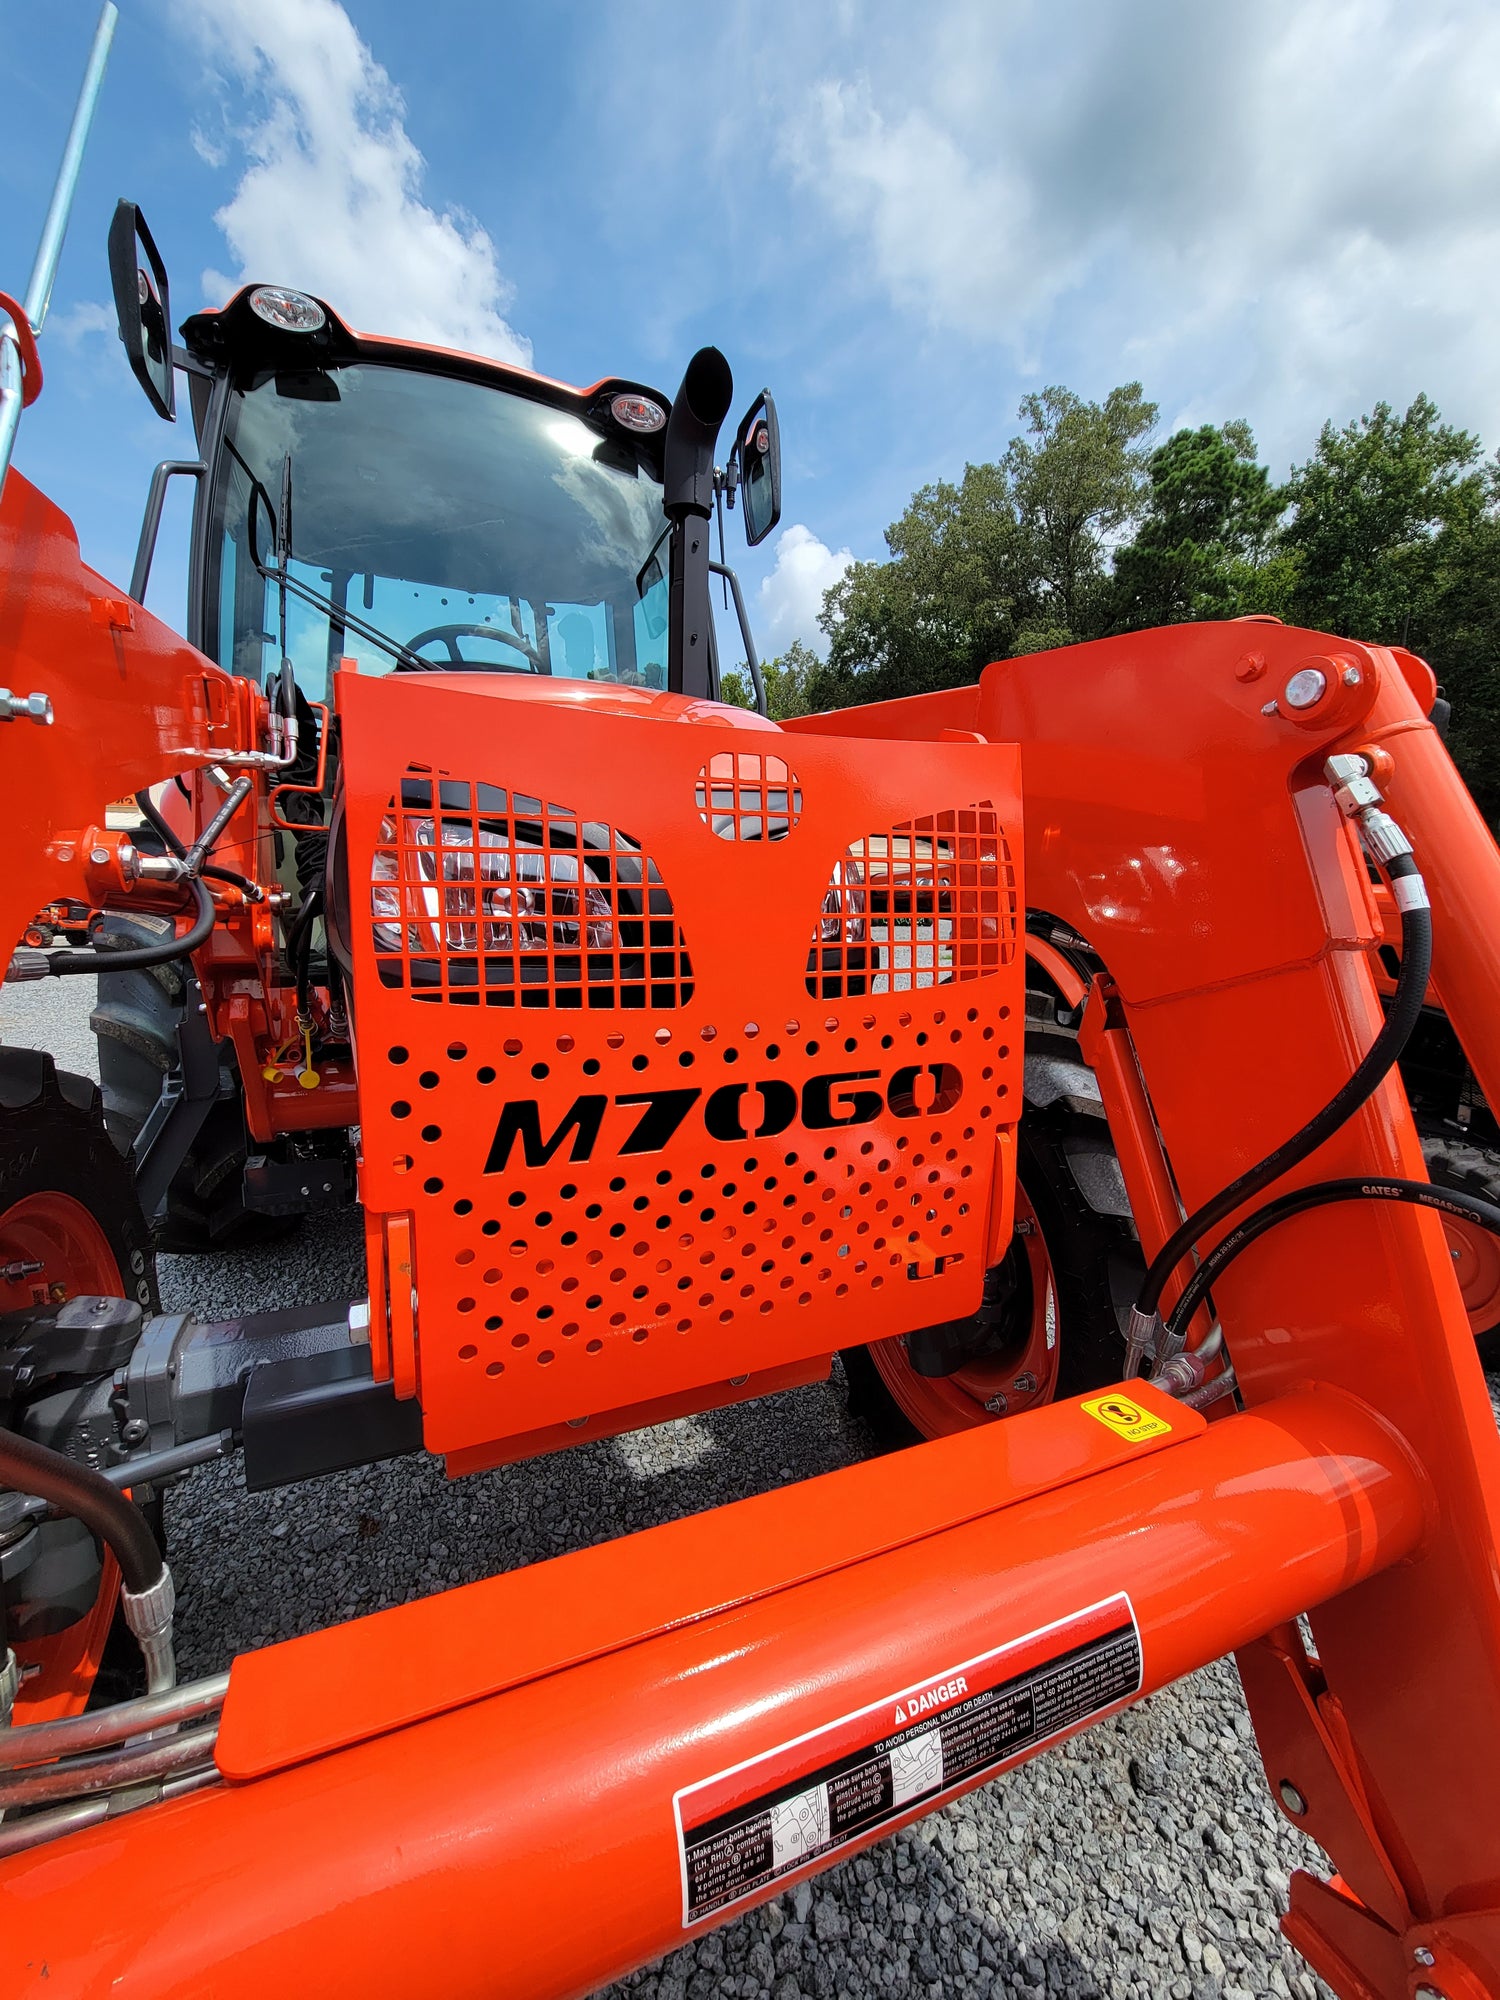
[1022, 1371]
[52, 1249]
[1476, 1260]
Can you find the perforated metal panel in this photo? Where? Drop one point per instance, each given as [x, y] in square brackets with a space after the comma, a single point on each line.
[667, 1176]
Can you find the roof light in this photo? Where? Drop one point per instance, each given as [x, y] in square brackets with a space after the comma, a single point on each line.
[637, 413]
[292, 312]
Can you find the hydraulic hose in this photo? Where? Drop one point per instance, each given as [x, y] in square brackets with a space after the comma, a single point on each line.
[252, 891]
[1379, 1060]
[147, 1595]
[61, 962]
[158, 824]
[1446, 1201]
[301, 950]
[76, 1489]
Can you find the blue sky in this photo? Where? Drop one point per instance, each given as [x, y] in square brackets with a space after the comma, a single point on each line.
[900, 219]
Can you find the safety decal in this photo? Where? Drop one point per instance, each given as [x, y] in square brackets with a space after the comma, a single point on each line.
[743, 1829]
[1124, 1416]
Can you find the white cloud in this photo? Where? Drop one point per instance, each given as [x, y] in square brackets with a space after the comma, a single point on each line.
[792, 595]
[331, 195]
[78, 322]
[1293, 210]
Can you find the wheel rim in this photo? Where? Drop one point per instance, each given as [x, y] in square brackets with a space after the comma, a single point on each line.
[1476, 1263]
[1018, 1376]
[52, 1249]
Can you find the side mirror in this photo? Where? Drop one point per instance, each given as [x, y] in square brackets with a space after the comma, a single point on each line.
[758, 448]
[139, 280]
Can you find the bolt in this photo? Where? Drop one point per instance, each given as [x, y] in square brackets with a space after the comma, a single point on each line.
[135, 1431]
[1291, 1798]
[1423, 1957]
[65, 852]
[1250, 667]
[996, 1405]
[1272, 707]
[25, 708]
[1025, 1226]
[738, 1381]
[98, 855]
[1024, 1384]
[1351, 677]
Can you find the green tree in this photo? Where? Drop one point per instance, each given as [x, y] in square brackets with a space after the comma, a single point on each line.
[1206, 546]
[1460, 639]
[1371, 505]
[944, 605]
[787, 679]
[1076, 477]
[1011, 559]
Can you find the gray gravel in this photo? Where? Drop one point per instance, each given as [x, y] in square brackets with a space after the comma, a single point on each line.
[1142, 1861]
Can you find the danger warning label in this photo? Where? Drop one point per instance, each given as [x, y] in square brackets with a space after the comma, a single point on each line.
[741, 1829]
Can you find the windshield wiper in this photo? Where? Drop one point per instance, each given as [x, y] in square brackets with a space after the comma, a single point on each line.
[279, 573]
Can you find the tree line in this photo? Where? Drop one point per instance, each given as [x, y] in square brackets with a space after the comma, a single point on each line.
[1388, 532]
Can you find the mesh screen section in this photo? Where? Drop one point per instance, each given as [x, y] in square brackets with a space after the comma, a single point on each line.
[927, 903]
[745, 796]
[480, 895]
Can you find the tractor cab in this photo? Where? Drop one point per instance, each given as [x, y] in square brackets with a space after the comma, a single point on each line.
[410, 509]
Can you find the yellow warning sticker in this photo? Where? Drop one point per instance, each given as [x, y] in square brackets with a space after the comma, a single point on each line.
[1123, 1415]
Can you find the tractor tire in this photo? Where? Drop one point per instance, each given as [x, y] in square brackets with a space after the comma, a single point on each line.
[70, 1223]
[135, 1023]
[1454, 1163]
[68, 1199]
[1074, 1275]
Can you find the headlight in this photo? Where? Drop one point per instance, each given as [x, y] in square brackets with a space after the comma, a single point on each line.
[487, 892]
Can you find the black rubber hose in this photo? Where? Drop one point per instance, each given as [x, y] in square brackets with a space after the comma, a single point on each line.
[61, 962]
[1320, 1194]
[1379, 1060]
[252, 890]
[159, 825]
[75, 1489]
[302, 950]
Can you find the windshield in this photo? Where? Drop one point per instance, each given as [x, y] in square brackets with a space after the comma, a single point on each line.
[478, 528]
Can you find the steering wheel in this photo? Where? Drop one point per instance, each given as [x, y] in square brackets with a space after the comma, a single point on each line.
[449, 635]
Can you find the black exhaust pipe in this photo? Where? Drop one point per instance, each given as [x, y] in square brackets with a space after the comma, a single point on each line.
[698, 411]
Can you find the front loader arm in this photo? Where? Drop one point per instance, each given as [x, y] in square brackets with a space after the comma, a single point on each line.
[1178, 819]
[130, 703]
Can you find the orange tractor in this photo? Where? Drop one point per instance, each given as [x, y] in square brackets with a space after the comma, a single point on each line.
[669, 1061]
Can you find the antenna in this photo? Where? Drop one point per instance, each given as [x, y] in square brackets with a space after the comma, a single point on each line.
[17, 342]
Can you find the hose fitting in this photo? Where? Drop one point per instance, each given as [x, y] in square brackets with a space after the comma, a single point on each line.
[1360, 799]
[10, 1686]
[1184, 1372]
[1141, 1335]
[149, 1615]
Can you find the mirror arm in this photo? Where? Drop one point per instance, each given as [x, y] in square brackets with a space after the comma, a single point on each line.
[751, 661]
[189, 363]
[145, 548]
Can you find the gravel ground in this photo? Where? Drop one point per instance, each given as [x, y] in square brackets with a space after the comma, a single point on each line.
[1143, 1860]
